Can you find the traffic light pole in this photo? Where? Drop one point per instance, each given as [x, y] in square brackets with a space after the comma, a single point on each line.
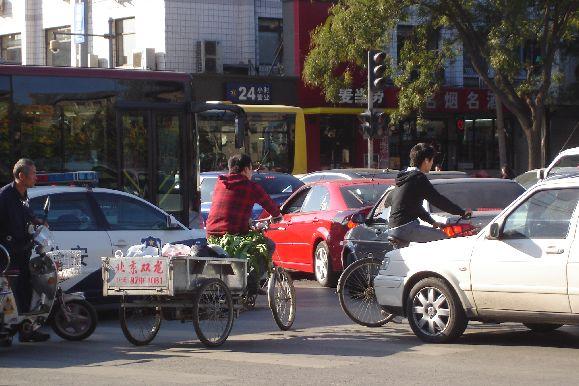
[370, 107]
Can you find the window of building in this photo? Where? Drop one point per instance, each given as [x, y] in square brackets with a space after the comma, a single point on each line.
[11, 48]
[60, 54]
[125, 40]
[470, 76]
[270, 38]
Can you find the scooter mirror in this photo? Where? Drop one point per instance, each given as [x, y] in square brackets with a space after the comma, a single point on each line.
[46, 206]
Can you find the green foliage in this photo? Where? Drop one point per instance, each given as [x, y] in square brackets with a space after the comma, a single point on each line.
[493, 32]
[252, 246]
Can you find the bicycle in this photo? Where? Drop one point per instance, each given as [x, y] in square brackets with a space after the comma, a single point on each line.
[356, 284]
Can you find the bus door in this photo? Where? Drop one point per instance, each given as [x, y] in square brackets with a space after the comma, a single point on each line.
[150, 148]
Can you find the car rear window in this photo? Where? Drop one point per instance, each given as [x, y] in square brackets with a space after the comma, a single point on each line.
[359, 196]
[277, 184]
[479, 196]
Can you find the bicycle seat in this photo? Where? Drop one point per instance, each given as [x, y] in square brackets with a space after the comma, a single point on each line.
[398, 243]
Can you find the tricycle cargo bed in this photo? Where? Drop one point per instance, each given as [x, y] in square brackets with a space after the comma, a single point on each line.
[160, 275]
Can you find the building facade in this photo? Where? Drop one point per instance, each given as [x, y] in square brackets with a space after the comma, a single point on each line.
[460, 121]
[193, 36]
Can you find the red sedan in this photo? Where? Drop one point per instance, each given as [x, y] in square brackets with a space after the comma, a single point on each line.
[315, 219]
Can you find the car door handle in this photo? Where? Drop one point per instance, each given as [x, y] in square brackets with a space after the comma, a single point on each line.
[277, 229]
[315, 219]
[553, 250]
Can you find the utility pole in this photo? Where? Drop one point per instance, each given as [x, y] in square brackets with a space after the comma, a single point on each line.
[370, 106]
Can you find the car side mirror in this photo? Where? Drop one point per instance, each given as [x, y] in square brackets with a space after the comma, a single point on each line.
[541, 174]
[358, 218]
[494, 232]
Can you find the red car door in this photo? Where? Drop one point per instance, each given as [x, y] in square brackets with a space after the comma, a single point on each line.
[314, 215]
[283, 233]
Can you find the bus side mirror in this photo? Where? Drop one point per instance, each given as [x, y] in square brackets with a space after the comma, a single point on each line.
[240, 130]
[540, 174]
[494, 232]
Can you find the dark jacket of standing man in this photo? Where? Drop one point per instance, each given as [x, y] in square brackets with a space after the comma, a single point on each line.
[15, 216]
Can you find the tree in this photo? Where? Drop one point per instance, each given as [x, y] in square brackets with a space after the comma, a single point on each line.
[492, 32]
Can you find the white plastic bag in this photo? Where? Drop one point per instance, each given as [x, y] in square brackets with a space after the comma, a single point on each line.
[142, 250]
[172, 250]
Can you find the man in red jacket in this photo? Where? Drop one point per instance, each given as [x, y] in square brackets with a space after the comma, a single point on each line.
[233, 198]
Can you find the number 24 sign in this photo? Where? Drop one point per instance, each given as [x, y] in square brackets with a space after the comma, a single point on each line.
[259, 93]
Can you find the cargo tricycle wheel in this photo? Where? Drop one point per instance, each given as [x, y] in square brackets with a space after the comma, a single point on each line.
[140, 321]
[213, 312]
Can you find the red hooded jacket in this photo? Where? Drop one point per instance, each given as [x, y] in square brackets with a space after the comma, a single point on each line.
[233, 199]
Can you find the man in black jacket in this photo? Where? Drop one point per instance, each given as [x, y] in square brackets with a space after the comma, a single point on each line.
[15, 216]
[412, 187]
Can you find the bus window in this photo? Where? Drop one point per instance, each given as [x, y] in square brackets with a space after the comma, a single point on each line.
[270, 140]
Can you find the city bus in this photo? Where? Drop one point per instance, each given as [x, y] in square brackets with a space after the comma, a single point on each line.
[137, 129]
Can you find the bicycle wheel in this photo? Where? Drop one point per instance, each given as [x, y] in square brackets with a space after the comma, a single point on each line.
[357, 296]
[213, 313]
[140, 322]
[281, 296]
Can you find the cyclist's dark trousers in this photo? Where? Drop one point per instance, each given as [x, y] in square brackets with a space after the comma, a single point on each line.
[21, 285]
[414, 232]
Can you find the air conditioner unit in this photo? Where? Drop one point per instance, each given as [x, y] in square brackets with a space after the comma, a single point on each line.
[208, 56]
[144, 59]
[93, 61]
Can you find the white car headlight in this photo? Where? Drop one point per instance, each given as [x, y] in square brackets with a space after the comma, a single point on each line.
[385, 264]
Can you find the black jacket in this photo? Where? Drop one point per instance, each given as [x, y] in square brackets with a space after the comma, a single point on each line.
[412, 187]
[15, 215]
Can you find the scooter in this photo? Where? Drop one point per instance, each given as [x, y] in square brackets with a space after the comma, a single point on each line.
[69, 314]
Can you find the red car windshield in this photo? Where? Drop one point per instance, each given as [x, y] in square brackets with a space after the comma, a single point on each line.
[359, 196]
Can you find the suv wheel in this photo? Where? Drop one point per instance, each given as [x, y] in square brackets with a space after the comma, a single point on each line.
[434, 311]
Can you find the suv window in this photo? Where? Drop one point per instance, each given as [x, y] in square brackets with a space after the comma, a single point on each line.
[68, 212]
[126, 213]
[295, 205]
[545, 215]
[317, 199]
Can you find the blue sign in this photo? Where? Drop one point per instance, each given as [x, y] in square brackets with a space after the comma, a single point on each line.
[248, 93]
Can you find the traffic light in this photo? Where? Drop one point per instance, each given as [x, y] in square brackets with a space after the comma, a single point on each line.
[367, 124]
[373, 123]
[377, 69]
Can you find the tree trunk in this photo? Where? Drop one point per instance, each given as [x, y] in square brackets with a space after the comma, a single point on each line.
[500, 122]
[533, 146]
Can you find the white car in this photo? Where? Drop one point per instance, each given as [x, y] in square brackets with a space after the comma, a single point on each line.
[100, 221]
[522, 267]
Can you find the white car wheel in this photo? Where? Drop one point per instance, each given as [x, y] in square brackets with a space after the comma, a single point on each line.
[434, 312]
